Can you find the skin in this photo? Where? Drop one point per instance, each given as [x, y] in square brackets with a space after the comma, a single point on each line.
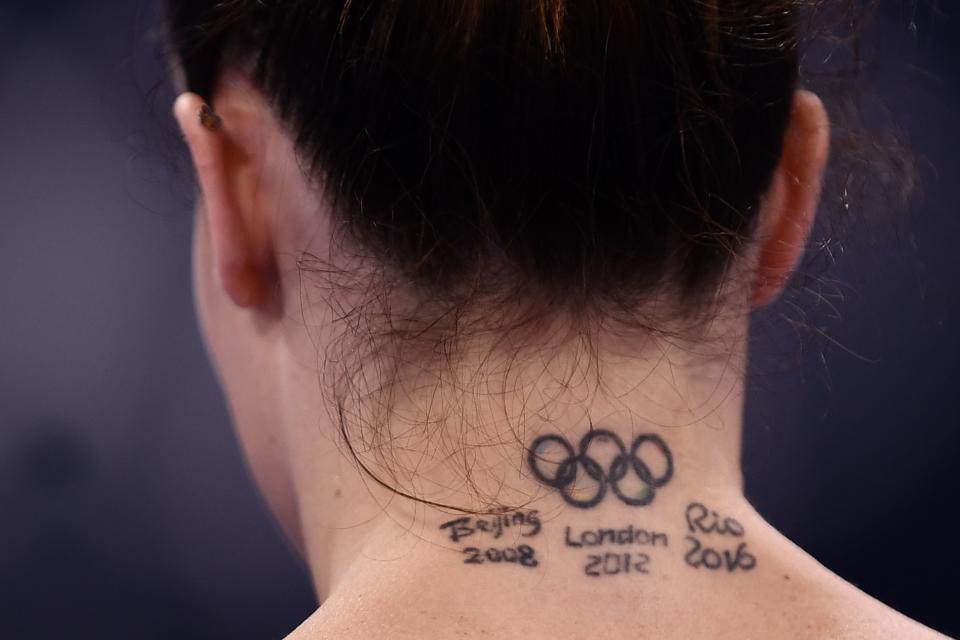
[385, 567]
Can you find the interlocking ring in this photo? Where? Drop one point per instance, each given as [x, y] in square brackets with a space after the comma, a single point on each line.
[566, 473]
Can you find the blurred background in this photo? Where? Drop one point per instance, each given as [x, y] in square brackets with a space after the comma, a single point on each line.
[125, 510]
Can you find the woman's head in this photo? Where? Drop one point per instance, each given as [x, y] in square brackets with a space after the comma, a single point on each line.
[595, 150]
[455, 169]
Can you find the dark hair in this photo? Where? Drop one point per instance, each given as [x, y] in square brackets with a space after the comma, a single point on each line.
[597, 149]
[572, 156]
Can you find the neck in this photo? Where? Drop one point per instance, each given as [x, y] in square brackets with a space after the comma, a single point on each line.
[557, 450]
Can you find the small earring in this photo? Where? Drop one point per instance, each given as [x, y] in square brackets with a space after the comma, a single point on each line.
[209, 118]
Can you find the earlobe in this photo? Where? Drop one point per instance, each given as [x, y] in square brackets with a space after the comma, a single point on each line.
[245, 269]
[792, 199]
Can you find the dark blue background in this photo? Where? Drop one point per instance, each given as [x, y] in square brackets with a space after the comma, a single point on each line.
[125, 511]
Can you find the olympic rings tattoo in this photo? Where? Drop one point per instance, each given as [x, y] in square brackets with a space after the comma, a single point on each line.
[566, 472]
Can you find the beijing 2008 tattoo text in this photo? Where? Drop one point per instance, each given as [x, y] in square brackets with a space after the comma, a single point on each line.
[490, 528]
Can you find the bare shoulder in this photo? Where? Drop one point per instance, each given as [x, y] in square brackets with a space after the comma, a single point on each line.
[787, 594]
[823, 612]
[889, 626]
[875, 621]
[811, 601]
[866, 618]
[860, 617]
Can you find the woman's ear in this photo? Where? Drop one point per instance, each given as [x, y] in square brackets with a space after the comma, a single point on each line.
[790, 206]
[228, 174]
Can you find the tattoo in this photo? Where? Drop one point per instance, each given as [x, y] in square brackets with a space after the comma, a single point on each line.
[702, 521]
[625, 536]
[611, 564]
[527, 521]
[523, 555]
[527, 524]
[616, 563]
[554, 462]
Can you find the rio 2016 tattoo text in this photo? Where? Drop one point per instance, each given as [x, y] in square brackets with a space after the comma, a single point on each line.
[702, 521]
